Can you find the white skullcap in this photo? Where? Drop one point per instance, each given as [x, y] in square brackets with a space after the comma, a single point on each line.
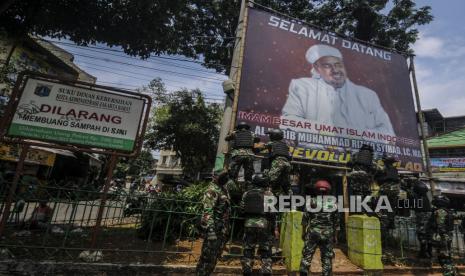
[316, 52]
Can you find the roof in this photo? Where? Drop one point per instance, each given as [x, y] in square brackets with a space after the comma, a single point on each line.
[432, 115]
[453, 139]
[66, 58]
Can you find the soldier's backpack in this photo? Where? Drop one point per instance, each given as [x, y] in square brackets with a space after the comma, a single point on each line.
[254, 202]
[243, 139]
[279, 148]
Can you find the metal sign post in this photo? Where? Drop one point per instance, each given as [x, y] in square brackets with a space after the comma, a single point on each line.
[103, 198]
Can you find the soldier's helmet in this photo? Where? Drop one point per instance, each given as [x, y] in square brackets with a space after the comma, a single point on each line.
[441, 201]
[419, 187]
[260, 180]
[220, 177]
[322, 186]
[365, 155]
[389, 160]
[243, 125]
[275, 134]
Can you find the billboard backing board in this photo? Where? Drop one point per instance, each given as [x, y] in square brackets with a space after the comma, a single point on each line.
[329, 94]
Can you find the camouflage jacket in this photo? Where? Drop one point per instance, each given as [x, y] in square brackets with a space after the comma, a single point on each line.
[442, 222]
[216, 208]
[259, 221]
[321, 222]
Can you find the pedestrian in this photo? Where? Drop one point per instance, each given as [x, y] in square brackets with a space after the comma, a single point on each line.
[280, 169]
[319, 229]
[242, 154]
[257, 226]
[214, 223]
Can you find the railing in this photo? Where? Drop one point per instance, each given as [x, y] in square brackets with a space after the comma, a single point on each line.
[135, 228]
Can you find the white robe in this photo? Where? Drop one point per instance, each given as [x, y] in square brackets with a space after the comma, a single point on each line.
[351, 106]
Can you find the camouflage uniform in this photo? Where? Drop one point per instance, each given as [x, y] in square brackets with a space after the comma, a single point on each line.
[279, 174]
[318, 229]
[360, 182]
[389, 185]
[241, 156]
[422, 207]
[363, 169]
[280, 169]
[257, 232]
[441, 225]
[215, 222]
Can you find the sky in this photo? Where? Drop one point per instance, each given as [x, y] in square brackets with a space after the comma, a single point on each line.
[440, 55]
[440, 58]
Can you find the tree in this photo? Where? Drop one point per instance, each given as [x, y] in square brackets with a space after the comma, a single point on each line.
[184, 122]
[368, 20]
[136, 166]
[200, 28]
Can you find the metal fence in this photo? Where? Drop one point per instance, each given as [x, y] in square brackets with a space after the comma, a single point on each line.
[136, 228]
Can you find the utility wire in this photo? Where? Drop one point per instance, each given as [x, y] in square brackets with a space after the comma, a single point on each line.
[153, 56]
[150, 68]
[152, 59]
[144, 79]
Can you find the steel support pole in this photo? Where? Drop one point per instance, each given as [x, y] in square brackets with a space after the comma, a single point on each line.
[421, 119]
[228, 120]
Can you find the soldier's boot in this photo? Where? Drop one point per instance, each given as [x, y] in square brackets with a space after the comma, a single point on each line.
[303, 273]
[247, 273]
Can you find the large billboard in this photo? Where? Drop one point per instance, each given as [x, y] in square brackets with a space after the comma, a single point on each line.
[329, 94]
[61, 113]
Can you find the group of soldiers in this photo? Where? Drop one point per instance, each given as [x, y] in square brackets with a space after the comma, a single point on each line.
[434, 221]
[260, 227]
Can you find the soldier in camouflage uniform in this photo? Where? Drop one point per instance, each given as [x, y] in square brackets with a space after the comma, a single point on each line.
[215, 223]
[318, 230]
[360, 177]
[242, 154]
[257, 226]
[389, 182]
[422, 208]
[280, 169]
[442, 225]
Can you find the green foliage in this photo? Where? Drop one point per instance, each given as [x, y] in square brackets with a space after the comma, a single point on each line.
[180, 209]
[184, 122]
[139, 165]
[374, 21]
[198, 28]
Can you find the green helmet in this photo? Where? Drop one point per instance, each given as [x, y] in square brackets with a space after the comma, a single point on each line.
[260, 180]
[243, 125]
[275, 134]
[441, 201]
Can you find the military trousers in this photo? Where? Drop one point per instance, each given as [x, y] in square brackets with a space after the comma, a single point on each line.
[255, 236]
[279, 174]
[241, 158]
[324, 240]
[211, 251]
